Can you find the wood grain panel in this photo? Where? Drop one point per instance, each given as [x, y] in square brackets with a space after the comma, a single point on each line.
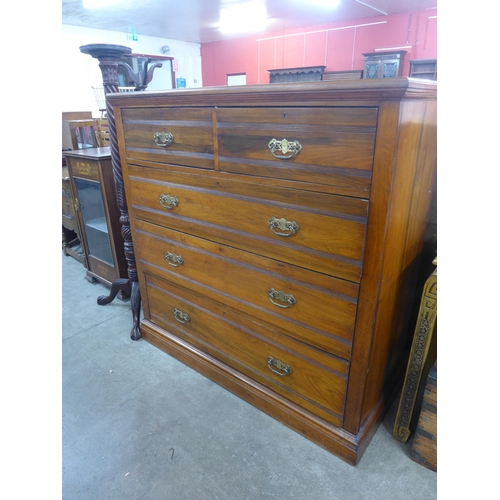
[322, 316]
[192, 132]
[370, 287]
[317, 380]
[245, 224]
[424, 446]
[393, 331]
[308, 196]
[337, 143]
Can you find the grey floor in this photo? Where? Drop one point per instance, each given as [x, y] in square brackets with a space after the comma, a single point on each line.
[138, 424]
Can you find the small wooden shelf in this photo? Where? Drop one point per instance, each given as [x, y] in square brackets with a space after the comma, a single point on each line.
[425, 69]
[304, 74]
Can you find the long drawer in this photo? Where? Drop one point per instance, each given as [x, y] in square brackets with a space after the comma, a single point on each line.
[322, 145]
[307, 238]
[170, 135]
[309, 377]
[312, 307]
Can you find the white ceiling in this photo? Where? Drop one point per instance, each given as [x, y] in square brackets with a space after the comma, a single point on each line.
[197, 20]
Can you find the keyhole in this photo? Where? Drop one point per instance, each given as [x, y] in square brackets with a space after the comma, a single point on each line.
[284, 116]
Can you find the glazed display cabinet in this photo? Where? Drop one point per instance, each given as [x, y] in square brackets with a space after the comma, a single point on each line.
[97, 214]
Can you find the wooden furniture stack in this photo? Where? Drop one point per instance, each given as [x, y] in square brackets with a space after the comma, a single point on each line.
[83, 134]
[342, 75]
[277, 231]
[102, 132]
[70, 234]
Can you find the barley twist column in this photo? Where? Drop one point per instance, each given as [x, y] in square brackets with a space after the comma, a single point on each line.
[108, 56]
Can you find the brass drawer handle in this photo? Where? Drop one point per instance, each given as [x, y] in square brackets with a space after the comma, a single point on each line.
[163, 139]
[285, 300]
[180, 316]
[282, 227]
[278, 367]
[287, 148]
[174, 260]
[167, 201]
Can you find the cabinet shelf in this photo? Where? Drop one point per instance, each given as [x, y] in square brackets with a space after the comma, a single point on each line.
[99, 224]
[425, 69]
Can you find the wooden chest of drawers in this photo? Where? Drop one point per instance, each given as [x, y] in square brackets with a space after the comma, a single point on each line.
[277, 231]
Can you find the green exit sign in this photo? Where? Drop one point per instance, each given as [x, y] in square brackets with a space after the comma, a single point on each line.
[133, 37]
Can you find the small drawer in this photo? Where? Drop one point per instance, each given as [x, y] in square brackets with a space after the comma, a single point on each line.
[169, 135]
[313, 379]
[295, 234]
[81, 167]
[312, 307]
[332, 146]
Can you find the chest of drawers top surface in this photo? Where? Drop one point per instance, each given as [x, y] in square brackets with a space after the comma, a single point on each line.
[302, 94]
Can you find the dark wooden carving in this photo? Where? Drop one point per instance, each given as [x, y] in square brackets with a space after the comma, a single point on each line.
[108, 56]
[141, 78]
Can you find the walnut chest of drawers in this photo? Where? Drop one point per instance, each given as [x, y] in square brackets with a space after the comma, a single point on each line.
[277, 231]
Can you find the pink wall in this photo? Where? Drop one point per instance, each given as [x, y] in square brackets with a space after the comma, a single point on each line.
[338, 46]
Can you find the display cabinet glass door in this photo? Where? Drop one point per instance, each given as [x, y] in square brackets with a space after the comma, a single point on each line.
[93, 215]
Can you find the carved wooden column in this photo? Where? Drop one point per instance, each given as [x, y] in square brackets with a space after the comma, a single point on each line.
[108, 56]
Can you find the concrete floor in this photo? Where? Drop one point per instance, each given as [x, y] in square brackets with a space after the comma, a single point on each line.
[138, 424]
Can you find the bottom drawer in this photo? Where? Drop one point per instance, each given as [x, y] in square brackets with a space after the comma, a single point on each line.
[311, 378]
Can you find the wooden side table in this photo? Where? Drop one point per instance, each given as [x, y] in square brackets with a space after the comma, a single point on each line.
[418, 356]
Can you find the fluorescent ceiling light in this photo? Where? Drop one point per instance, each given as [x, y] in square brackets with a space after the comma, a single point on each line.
[95, 4]
[325, 3]
[243, 17]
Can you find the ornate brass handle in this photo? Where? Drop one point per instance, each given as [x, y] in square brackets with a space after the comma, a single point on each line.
[282, 227]
[278, 367]
[174, 260]
[287, 148]
[285, 300]
[167, 201]
[180, 316]
[163, 139]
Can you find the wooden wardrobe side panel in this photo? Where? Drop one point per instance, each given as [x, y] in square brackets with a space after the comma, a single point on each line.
[386, 144]
[415, 161]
